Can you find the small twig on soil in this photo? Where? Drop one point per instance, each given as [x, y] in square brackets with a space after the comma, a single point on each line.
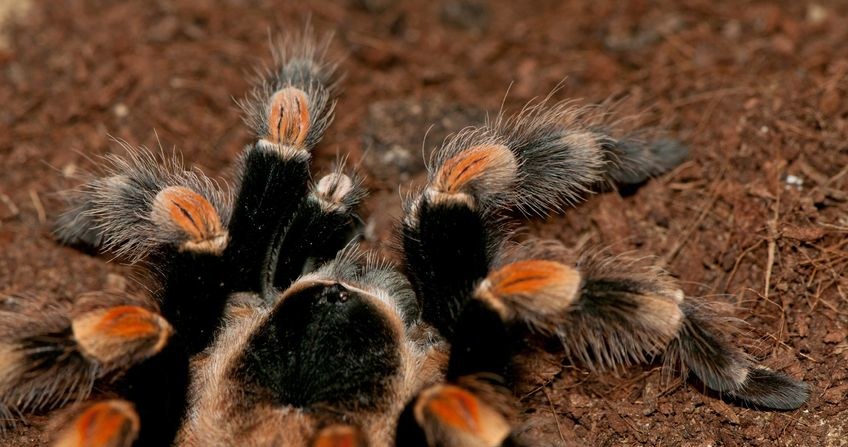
[837, 176]
[708, 113]
[685, 49]
[772, 245]
[634, 380]
[739, 258]
[832, 226]
[786, 126]
[614, 411]
[13, 209]
[39, 207]
[781, 343]
[681, 241]
[830, 306]
[673, 386]
[698, 97]
[554, 413]
[782, 321]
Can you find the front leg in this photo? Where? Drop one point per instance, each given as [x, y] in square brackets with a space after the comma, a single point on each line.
[288, 112]
[273, 184]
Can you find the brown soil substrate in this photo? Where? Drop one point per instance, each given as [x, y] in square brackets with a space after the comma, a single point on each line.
[757, 217]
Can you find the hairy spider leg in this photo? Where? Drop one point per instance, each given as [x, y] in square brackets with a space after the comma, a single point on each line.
[322, 225]
[53, 353]
[158, 388]
[272, 186]
[154, 399]
[183, 215]
[288, 111]
[446, 247]
[705, 348]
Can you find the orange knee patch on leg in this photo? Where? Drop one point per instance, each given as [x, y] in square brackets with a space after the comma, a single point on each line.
[288, 117]
[112, 423]
[121, 333]
[539, 286]
[180, 207]
[453, 416]
[339, 436]
[494, 164]
[455, 407]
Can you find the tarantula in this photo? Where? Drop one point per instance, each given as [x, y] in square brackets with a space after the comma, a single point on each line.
[266, 326]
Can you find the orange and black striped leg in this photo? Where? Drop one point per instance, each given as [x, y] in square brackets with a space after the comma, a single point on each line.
[193, 296]
[157, 379]
[288, 112]
[448, 237]
[52, 355]
[628, 312]
[194, 288]
[321, 227]
[472, 410]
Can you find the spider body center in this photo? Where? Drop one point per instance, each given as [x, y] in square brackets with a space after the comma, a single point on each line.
[324, 345]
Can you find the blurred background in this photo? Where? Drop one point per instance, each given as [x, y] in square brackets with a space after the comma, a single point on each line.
[757, 217]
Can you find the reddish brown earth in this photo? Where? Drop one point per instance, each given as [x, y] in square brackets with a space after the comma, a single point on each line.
[757, 217]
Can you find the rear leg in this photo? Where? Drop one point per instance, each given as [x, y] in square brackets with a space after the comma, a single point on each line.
[53, 354]
[154, 210]
[626, 311]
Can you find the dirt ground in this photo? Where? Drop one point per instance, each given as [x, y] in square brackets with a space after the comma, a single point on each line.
[758, 216]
